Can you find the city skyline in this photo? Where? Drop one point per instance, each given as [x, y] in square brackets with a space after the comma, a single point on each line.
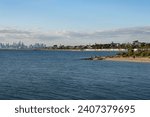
[74, 22]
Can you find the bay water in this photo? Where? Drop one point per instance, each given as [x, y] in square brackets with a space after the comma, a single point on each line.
[63, 75]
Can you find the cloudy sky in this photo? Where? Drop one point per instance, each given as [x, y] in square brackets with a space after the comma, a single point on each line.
[74, 21]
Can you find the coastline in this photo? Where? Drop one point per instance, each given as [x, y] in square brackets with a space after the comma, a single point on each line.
[88, 50]
[120, 58]
[92, 50]
[104, 50]
[108, 58]
[129, 59]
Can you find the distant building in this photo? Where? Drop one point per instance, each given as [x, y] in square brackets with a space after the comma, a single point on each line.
[115, 45]
[136, 43]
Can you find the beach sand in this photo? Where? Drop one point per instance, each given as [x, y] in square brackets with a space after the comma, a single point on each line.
[129, 59]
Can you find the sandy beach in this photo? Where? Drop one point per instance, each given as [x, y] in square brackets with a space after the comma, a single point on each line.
[129, 59]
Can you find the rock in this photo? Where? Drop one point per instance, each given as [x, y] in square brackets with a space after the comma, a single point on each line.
[95, 58]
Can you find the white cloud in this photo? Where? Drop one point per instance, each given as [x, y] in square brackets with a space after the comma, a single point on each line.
[74, 37]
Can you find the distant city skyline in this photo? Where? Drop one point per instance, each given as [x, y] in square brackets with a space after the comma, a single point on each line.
[74, 22]
[38, 46]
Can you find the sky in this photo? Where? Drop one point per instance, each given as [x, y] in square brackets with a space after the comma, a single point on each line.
[74, 21]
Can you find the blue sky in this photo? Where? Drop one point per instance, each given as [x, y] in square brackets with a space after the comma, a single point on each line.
[74, 15]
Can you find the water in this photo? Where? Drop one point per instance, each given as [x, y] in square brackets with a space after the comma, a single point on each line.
[63, 75]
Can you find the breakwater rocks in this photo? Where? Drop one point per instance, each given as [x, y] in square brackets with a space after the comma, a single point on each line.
[95, 58]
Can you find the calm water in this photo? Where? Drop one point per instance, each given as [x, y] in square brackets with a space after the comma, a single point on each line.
[62, 75]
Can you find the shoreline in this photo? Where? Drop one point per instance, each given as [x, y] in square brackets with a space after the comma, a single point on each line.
[129, 59]
[122, 59]
[92, 50]
[107, 58]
